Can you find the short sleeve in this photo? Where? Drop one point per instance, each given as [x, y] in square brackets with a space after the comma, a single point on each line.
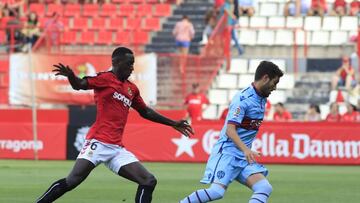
[237, 111]
[99, 81]
[138, 102]
[205, 99]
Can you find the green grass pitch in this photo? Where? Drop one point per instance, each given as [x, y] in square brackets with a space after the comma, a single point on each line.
[24, 181]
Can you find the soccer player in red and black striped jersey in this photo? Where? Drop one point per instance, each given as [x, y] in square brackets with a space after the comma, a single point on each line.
[114, 95]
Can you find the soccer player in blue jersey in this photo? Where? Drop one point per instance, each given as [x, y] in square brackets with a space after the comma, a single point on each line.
[231, 157]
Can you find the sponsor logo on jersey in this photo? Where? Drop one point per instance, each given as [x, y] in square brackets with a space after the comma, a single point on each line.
[126, 101]
[251, 124]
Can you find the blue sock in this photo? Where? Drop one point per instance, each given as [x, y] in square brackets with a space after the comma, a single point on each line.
[205, 195]
[262, 190]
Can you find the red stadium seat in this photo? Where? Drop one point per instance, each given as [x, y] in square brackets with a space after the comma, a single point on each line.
[43, 21]
[108, 10]
[126, 10]
[4, 21]
[2, 37]
[123, 38]
[144, 10]
[97, 24]
[38, 9]
[80, 23]
[133, 23]
[54, 8]
[65, 22]
[87, 37]
[116, 24]
[104, 37]
[72, 10]
[4, 96]
[4, 80]
[90, 10]
[4, 66]
[68, 37]
[162, 10]
[140, 38]
[152, 24]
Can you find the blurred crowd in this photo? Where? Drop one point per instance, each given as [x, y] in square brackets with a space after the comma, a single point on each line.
[321, 8]
[196, 103]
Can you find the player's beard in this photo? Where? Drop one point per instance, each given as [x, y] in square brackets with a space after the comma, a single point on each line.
[265, 90]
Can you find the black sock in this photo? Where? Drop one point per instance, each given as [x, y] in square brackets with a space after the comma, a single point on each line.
[144, 194]
[55, 191]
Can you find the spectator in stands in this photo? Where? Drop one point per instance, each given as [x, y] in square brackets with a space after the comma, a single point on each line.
[354, 8]
[339, 8]
[13, 34]
[333, 115]
[246, 8]
[14, 7]
[344, 76]
[53, 27]
[184, 32]
[232, 21]
[351, 114]
[318, 8]
[196, 102]
[31, 30]
[281, 113]
[313, 113]
[296, 7]
[210, 21]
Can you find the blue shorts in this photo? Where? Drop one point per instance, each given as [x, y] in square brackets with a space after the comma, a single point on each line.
[182, 44]
[225, 168]
[341, 83]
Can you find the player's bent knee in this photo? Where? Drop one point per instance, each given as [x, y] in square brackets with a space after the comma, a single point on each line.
[150, 181]
[262, 186]
[216, 191]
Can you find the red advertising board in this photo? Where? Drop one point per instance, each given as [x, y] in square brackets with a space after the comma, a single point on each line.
[16, 136]
[294, 143]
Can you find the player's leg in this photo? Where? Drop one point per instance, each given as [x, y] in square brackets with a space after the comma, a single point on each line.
[260, 186]
[136, 172]
[214, 192]
[220, 173]
[80, 171]
[125, 164]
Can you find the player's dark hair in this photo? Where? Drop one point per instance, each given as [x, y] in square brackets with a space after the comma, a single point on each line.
[280, 104]
[120, 54]
[267, 68]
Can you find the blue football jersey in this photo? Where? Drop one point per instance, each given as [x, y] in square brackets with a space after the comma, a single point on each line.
[246, 111]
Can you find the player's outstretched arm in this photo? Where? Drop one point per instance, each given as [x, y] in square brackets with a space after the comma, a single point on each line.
[182, 126]
[75, 82]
